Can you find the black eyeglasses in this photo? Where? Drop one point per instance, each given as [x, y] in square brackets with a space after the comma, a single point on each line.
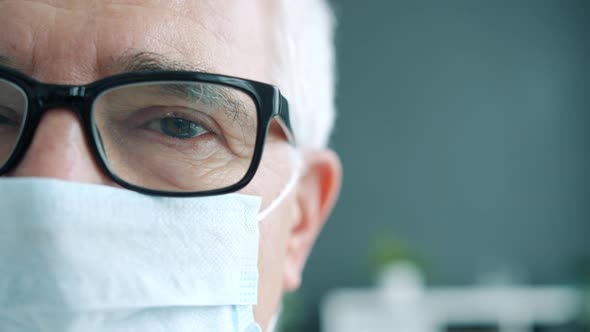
[166, 133]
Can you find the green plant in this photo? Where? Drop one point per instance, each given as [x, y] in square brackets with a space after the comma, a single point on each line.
[386, 249]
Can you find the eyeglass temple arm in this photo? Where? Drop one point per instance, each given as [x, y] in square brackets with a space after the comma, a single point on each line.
[284, 119]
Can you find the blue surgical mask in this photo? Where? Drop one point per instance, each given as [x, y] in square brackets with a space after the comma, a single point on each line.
[87, 258]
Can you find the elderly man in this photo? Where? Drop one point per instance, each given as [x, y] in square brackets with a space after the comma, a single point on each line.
[164, 163]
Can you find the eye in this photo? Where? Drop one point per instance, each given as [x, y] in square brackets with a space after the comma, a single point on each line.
[177, 127]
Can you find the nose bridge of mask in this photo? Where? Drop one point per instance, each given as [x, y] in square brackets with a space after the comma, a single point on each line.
[74, 246]
[296, 170]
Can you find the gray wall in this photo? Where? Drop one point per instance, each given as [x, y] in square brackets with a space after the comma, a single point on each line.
[464, 131]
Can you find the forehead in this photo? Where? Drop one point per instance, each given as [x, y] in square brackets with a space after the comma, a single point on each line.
[71, 41]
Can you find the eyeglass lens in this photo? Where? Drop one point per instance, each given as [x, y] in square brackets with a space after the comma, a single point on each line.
[13, 109]
[176, 136]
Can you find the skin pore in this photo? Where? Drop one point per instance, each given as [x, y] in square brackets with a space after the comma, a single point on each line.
[76, 42]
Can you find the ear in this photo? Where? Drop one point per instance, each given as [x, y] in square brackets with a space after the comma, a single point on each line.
[316, 195]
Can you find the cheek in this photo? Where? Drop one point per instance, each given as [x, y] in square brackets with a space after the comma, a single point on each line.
[272, 176]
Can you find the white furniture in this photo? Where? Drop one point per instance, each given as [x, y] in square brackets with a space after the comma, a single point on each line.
[401, 304]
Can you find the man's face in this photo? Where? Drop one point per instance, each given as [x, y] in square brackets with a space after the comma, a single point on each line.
[75, 42]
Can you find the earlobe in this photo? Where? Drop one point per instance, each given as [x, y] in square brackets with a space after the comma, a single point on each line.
[317, 193]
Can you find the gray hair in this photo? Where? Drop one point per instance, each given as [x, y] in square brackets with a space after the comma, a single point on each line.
[305, 72]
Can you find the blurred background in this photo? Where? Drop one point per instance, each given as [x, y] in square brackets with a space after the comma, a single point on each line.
[464, 134]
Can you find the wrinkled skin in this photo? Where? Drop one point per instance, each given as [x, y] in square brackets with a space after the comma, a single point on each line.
[75, 42]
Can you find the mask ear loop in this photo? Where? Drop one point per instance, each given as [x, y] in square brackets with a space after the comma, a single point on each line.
[297, 160]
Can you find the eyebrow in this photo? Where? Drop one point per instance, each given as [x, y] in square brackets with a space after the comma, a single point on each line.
[149, 61]
[212, 95]
[137, 62]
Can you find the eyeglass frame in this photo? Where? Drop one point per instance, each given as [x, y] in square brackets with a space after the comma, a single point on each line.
[42, 97]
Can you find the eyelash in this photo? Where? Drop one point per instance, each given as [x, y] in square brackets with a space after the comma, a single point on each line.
[146, 115]
[156, 113]
[157, 126]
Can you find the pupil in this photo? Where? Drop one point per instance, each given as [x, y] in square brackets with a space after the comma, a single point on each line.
[179, 128]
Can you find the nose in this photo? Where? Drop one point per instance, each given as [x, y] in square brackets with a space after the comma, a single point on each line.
[60, 150]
